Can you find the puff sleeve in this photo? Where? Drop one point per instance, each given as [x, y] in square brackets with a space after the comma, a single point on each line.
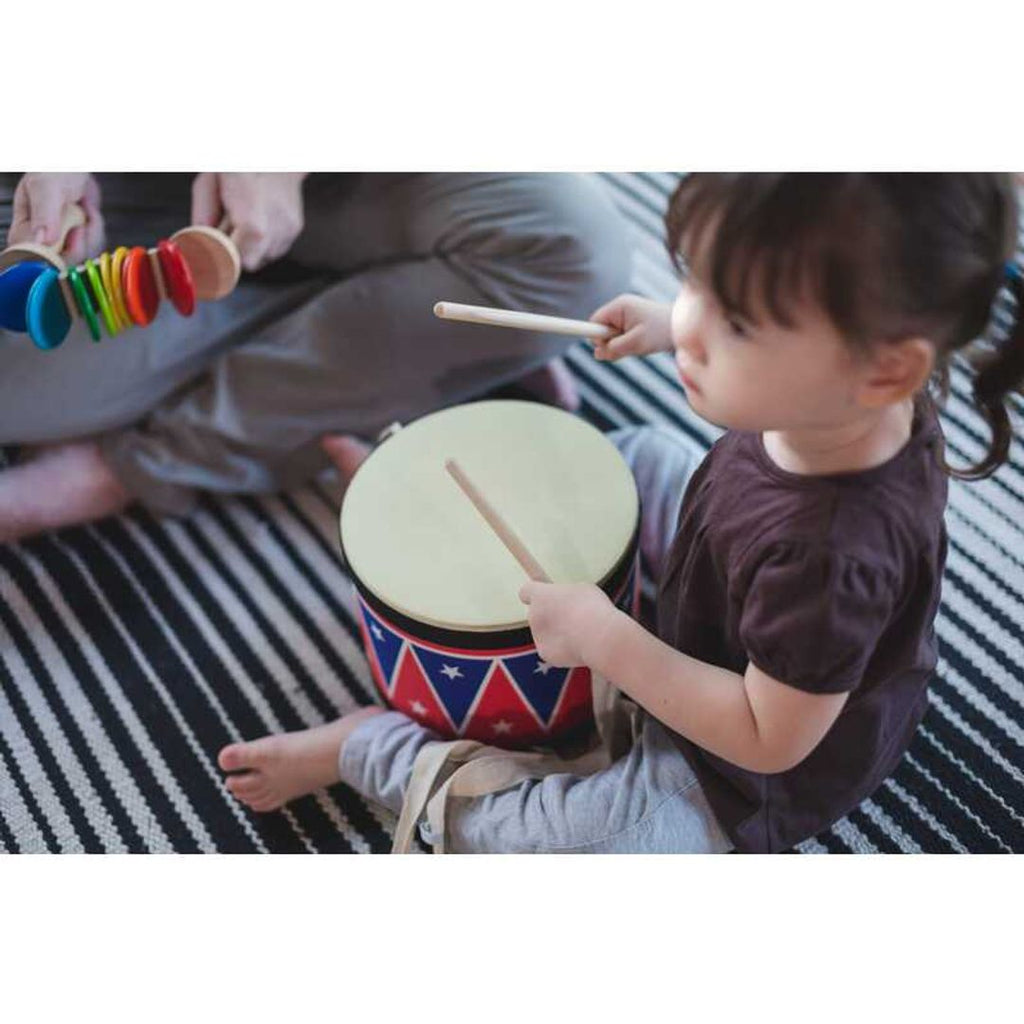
[813, 618]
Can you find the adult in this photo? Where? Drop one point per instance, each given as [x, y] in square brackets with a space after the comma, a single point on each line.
[329, 332]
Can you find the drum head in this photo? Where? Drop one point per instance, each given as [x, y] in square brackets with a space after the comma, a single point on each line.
[415, 541]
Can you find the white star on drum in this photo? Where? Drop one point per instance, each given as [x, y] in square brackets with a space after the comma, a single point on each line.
[418, 708]
[542, 667]
[502, 726]
[451, 671]
[376, 631]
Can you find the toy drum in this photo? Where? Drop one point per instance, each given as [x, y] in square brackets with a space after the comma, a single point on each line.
[445, 632]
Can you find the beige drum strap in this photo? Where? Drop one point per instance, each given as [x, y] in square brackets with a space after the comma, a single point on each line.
[466, 768]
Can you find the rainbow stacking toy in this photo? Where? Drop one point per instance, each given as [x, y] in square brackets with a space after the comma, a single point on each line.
[41, 296]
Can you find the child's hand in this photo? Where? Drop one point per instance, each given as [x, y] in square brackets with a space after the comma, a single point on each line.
[39, 204]
[562, 619]
[264, 210]
[643, 327]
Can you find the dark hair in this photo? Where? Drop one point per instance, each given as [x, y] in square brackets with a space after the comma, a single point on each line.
[885, 256]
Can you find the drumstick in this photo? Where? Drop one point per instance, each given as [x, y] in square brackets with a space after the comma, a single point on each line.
[522, 321]
[516, 548]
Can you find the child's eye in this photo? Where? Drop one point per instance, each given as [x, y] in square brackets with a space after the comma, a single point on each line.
[739, 327]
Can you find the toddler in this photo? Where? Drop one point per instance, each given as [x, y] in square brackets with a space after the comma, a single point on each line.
[799, 564]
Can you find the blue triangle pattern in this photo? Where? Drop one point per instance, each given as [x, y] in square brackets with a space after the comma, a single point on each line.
[455, 680]
[386, 644]
[541, 684]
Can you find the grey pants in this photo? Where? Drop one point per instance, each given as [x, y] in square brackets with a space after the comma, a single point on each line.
[338, 337]
[649, 801]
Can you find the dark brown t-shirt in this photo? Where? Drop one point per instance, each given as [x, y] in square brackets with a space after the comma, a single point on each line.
[826, 583]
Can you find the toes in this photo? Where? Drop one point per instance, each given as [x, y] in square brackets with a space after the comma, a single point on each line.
[239, 756]
[253, 790]
[233, 757]
[347, 453]
[249, 786]
[266, 804]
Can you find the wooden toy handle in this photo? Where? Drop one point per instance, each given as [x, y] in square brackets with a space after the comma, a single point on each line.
[225, 227]
[72, 217]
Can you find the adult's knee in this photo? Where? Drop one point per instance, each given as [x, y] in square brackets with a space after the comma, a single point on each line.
[581, 242]
[549, 243]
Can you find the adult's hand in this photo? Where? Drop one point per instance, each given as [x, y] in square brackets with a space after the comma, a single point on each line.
[264, 211]
[39, 204]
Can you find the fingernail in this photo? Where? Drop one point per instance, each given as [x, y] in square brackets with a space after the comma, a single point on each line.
[40, 236]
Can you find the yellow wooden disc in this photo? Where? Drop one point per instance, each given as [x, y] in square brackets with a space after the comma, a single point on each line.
[116, 291]
[104, 263]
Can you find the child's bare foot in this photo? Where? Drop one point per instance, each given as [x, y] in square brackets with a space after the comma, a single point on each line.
[60, 486]
[281, 768]
[346, 452]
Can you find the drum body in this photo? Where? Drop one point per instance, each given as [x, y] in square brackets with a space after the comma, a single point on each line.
[445, 633]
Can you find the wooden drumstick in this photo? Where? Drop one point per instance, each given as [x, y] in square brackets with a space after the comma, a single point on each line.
[522, 321]
[516, 548]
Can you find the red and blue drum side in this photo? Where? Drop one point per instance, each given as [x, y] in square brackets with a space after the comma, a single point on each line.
[506, 697]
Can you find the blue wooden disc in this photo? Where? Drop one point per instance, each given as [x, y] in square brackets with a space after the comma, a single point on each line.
[15, 284]
[47, 313]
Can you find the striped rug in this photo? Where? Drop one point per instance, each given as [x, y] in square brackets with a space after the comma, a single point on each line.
[131, 651]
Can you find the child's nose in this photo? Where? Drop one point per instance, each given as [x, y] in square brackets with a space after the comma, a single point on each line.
[687, 316]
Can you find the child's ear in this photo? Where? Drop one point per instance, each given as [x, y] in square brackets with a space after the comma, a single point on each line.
[896, 371]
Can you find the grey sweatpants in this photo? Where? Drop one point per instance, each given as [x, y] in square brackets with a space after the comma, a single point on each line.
[340, 336]
[649, 801]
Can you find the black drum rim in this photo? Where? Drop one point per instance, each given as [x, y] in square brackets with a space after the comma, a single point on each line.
[483, 639]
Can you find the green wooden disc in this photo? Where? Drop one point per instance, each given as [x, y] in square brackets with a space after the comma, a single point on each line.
[84, 302]
[101, 297]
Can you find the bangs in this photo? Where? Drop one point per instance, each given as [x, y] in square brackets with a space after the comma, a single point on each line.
[767, 243]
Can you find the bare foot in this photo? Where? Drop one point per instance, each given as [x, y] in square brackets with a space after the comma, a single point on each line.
[277, 769]
[346, 452]
[552, 383]
[60, 486]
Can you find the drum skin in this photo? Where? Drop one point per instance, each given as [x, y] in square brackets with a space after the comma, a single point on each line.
[486, 684]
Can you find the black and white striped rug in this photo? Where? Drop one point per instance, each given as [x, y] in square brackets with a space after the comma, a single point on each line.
[132, 651]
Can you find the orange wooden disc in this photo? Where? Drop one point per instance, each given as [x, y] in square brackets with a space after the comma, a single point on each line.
[212, 259]
[141, 296]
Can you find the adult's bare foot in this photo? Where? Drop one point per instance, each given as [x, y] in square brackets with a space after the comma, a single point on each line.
[277, 769]
[346, 452]
[60, 486]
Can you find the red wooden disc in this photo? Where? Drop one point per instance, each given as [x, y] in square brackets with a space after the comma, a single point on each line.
[177, 277]
[141, 297]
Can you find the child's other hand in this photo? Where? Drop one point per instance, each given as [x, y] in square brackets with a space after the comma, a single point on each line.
[39, 204]
[562, 619]
[264, 211]
[642, 325]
